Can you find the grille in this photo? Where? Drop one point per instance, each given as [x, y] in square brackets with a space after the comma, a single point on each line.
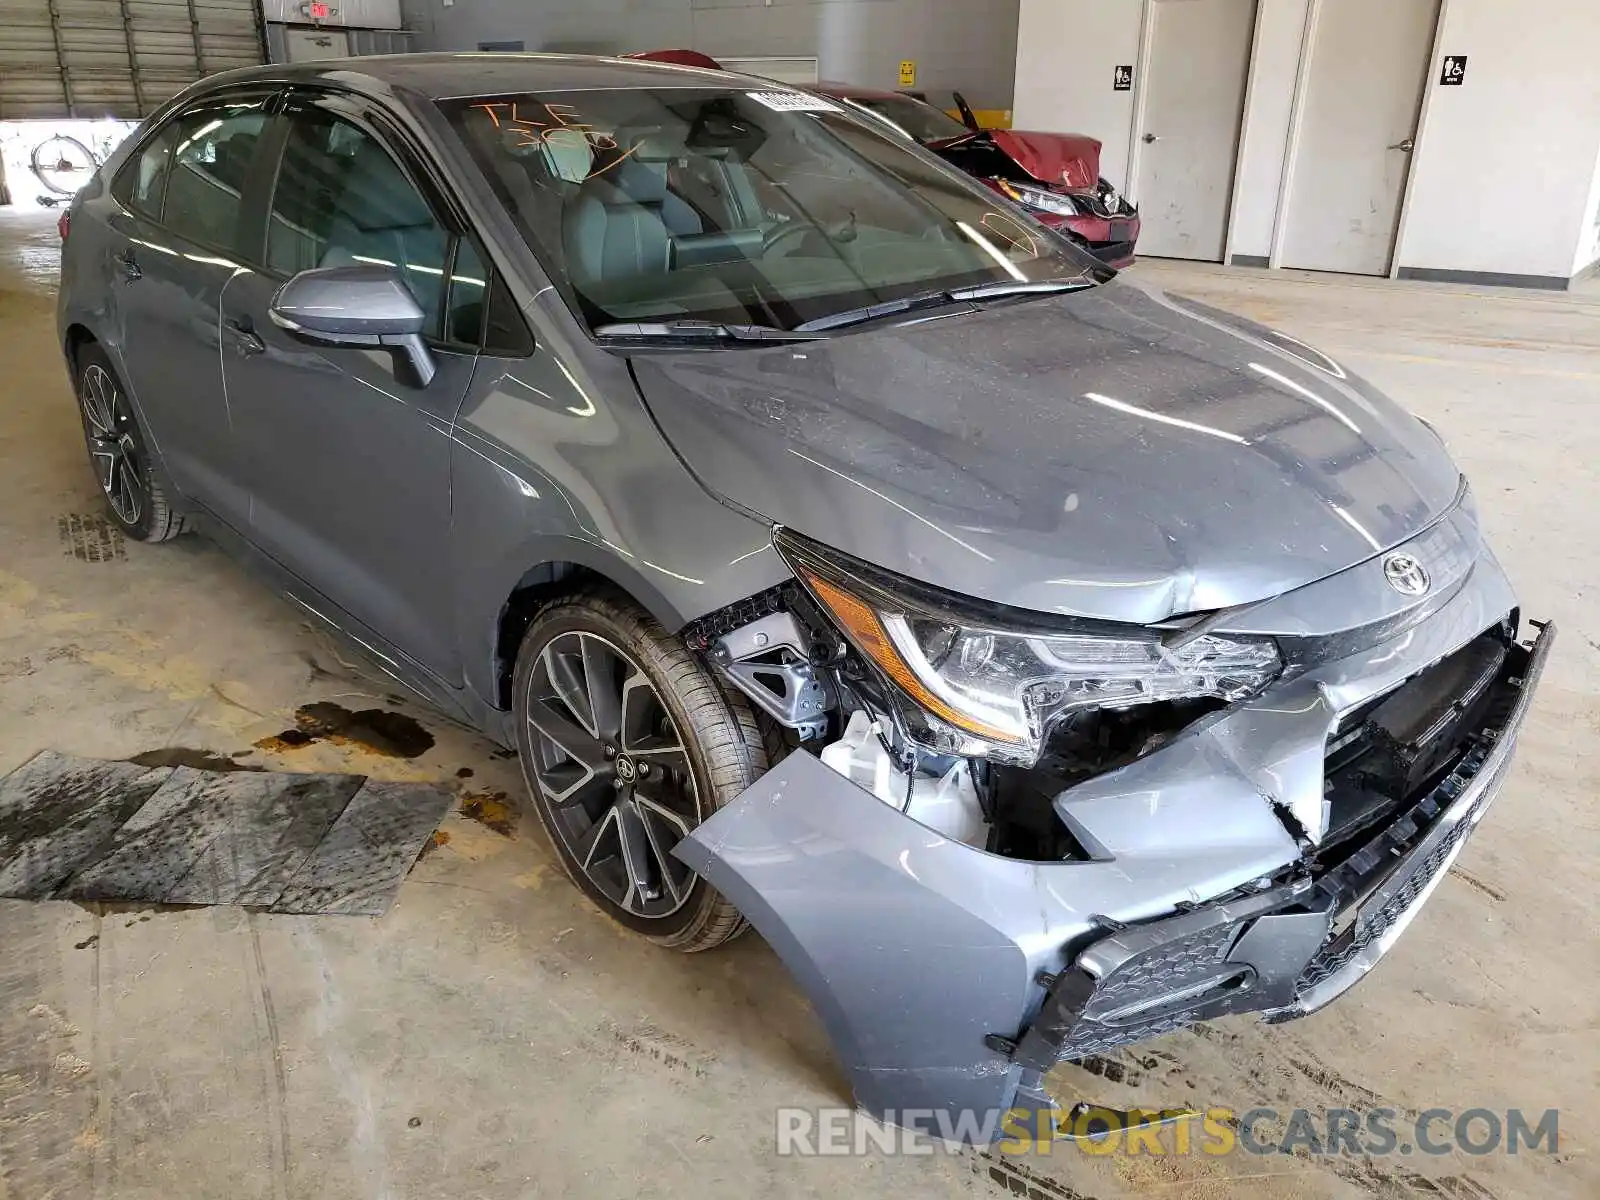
[1360, 896]
[1369, 927]
[1389, 752]
[1097, 1039]
[1159, 971]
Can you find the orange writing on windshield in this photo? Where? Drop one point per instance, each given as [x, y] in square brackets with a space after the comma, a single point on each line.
[554, 125]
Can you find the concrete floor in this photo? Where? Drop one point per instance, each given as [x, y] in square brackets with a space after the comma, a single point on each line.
[495, 1037]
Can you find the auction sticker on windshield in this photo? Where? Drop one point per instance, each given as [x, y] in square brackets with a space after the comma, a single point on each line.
[793, 102]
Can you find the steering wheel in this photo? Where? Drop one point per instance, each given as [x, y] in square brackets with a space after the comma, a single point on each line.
[790, 231]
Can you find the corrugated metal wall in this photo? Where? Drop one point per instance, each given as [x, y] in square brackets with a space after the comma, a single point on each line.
[119, 58]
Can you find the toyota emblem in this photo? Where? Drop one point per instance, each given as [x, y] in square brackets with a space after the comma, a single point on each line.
[1405, 574]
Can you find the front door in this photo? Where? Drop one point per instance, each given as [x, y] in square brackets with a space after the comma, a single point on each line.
[1369, 62]
[174, 238]
[348, 459]
[1194, 102]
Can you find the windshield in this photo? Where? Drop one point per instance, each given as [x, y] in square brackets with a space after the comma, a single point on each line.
[921, 122]
[761, 208]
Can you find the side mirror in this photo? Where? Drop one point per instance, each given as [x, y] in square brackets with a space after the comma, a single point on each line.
[357, 306]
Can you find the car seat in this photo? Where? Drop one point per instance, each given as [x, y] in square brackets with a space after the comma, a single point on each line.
[623, 219]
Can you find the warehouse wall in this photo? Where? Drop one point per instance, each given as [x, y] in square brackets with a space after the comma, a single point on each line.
[969, 45]
[1504, 179]
[1264, 140]
[1066, 50]
[1526, 123]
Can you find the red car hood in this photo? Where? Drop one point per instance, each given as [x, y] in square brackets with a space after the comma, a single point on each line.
[1065, 159]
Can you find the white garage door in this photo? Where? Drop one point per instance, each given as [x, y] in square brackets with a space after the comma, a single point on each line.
[116, 58]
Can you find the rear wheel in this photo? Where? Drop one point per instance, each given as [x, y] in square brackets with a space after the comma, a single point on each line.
[627, 743]
[133, 491]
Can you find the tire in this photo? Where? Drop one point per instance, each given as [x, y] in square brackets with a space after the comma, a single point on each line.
[778, 741]
[134, 493]
[635, 771]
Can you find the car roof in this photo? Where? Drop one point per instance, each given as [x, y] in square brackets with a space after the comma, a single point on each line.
[851, 91]
[440, 76]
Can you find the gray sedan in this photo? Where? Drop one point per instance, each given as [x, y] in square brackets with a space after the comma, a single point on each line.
[1040, 662]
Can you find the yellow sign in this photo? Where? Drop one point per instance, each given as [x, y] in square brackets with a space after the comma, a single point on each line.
[908, 72]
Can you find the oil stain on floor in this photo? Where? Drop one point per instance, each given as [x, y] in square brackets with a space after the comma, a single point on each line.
[492, 810]
[374, 730]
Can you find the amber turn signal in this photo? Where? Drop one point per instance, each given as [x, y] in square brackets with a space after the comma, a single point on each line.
[861, 623]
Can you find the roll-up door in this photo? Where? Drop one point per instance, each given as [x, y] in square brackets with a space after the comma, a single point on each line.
[117, 58]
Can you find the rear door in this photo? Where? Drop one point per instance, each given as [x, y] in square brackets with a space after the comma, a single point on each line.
[348, 458]
[182, 200]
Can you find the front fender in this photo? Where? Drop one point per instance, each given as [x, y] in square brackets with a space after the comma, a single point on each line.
[555, 460]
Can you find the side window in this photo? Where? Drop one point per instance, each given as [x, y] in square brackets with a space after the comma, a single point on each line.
[505, 332]
[469, 287]
[142, 183]
[480, 310]
[213, 152]
[341, 198]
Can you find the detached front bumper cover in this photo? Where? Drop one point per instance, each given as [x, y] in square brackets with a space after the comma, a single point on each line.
[922, 956]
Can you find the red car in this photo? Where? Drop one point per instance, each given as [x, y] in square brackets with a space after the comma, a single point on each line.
[1055, 176]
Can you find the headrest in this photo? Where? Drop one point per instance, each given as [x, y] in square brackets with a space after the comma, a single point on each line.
[567, 155]
[234, 158]
[656, 145]
[643, 181]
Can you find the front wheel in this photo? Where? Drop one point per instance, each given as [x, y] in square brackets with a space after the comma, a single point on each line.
[627, 743]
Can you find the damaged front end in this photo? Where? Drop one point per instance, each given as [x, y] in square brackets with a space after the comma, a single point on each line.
[974, 881]
[1056, 177]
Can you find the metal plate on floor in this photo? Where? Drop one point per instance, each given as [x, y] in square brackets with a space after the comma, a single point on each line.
[85, 829]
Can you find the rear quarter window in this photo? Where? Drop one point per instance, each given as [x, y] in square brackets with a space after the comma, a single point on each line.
[141, 185]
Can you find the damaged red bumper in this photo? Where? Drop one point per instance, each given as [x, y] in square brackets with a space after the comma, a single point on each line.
[1110, 239]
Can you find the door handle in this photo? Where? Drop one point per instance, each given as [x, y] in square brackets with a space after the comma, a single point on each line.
[128, 263]
[1408, 145]
[1148, 138]
[245, 339]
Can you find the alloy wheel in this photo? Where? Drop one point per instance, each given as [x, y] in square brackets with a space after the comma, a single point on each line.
[113, 449]
[612, 772]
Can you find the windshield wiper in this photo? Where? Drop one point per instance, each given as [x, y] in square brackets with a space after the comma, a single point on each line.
[702, 330]
[884, 308]
[1009, 287]
[981, 291]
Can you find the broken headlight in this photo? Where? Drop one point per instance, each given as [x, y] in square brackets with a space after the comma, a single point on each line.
[1040, 199]
[987, 682]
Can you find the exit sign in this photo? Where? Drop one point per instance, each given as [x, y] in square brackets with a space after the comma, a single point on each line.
[320, 11]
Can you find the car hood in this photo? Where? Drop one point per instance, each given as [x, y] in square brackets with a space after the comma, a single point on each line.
[1116, 453]
[1059, 159]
